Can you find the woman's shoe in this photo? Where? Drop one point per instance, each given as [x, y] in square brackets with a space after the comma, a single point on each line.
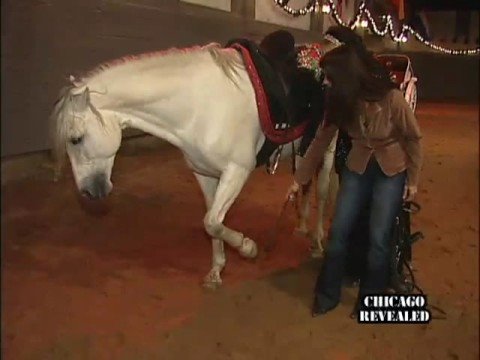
[320, 308]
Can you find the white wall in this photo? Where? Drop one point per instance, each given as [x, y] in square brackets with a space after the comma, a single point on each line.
[225, 5]
[268, 11]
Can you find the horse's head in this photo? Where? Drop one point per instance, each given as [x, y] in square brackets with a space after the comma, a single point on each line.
[90, 139]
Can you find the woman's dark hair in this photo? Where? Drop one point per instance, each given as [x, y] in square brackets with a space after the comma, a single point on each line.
[351, 81]
[350, 38]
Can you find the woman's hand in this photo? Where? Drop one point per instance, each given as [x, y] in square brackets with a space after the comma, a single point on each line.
[409, 192]
[292, 191]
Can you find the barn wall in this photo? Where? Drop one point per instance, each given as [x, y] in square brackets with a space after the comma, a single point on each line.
[446, 78]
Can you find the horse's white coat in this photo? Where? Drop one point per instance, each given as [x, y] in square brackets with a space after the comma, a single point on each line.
[188, 99]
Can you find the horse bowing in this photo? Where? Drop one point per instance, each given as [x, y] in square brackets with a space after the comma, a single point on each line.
[164, 94]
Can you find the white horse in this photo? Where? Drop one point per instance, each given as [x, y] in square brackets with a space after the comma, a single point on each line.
[201, 100]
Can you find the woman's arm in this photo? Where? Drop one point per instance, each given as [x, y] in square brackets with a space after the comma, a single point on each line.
[404, 119]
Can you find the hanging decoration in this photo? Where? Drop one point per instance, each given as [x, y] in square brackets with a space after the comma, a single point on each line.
[311, 6]
[363, 18]
[309, 56]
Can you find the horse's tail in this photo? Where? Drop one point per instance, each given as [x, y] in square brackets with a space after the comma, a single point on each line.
[228, 60]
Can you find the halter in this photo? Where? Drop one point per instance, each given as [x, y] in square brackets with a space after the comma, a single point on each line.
[333, 40]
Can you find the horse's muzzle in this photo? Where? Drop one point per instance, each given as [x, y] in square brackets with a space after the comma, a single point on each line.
[96, 187]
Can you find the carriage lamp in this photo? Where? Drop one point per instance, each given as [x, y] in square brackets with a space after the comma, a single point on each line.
[403, 38]
[364, 23]
[326, 9]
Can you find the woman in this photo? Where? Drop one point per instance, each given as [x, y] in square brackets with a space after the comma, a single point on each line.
[383, 164]
[357, 248]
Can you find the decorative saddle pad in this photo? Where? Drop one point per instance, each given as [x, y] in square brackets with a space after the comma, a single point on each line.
[278, 123]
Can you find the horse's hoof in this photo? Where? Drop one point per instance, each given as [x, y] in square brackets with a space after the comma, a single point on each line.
[302, 231]
[212, 281]
[316, 253]
[248, 248]
[211, 286]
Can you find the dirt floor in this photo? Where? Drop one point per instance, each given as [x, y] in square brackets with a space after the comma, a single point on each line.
[125, 283]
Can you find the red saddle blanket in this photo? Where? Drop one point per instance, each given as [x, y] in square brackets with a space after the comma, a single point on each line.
[272, 128]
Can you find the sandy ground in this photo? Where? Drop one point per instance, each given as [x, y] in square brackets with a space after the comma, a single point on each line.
[125, 284]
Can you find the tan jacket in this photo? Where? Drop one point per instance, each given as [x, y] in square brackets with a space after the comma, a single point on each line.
[386, 129]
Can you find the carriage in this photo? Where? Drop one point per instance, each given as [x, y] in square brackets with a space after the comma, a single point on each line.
[402, 75]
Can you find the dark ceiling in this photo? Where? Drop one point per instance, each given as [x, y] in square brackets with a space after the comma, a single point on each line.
[446, 5]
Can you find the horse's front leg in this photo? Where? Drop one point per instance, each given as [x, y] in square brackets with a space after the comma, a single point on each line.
[231, 183]
[213, 279]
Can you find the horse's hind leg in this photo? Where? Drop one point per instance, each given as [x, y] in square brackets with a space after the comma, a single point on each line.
[304, 206]
[304, 210]
[230, 185]
[213, 279]
[323, 186]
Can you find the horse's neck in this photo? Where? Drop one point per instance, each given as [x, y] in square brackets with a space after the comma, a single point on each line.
[150, 99]
[137, 118]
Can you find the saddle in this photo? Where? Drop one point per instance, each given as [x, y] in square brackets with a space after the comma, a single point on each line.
[273, 82]
[286, 94]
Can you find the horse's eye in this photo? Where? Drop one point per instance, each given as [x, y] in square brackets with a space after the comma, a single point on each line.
[76, 140]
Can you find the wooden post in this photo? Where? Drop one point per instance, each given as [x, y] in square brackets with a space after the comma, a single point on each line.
[316, 21]
[244, 8]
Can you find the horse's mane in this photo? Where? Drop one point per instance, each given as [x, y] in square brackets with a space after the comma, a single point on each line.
[137, 58]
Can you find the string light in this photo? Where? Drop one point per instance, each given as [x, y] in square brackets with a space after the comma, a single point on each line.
[311, 5]
[359, 20]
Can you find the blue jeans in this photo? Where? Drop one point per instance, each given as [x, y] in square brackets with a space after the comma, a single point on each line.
[384, 194]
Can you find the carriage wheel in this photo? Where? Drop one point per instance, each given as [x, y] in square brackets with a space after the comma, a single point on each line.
[411, 92]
